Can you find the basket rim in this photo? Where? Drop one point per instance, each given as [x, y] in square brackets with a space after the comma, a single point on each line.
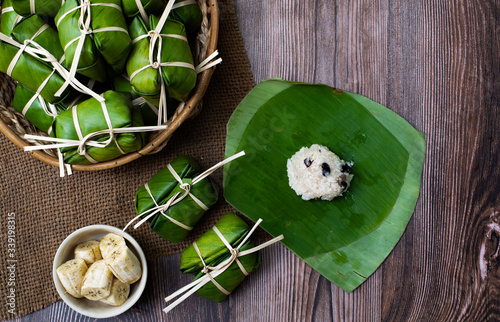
[189, 108]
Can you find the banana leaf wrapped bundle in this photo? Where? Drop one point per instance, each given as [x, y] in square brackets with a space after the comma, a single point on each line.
[89, 118]
[35, 65]
[189, 13]
[94, 35]
[9, 17]
[39, 112]
[34, 27]
[214, 252]
[149, 111]
[186, 11]
[220, 259]
[168, 67]
[132, 8]
[171, 209]
[40, 7]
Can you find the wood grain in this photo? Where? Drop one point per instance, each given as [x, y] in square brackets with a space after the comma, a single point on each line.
[435, 63]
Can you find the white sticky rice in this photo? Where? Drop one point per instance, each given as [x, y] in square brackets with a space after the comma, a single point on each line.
[316, 172]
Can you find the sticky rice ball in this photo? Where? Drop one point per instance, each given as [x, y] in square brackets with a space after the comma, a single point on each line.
[317, 172]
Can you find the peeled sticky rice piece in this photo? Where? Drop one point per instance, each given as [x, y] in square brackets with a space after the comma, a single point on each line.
[90, 117]
[316, 172]
[47, 8]
[9, 18]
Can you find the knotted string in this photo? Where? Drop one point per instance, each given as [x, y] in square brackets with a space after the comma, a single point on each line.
[212, 272]
[179, 196]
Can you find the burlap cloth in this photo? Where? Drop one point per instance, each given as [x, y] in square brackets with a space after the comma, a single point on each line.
[48, 208]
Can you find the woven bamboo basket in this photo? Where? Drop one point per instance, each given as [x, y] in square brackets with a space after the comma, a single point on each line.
[14, 125]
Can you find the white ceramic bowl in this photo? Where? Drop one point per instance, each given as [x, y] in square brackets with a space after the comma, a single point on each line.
[84, 306]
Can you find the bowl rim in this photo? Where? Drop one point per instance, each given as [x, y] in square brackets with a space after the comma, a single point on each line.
[118, 309]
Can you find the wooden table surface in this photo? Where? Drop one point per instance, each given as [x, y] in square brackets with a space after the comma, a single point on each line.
[436, 63]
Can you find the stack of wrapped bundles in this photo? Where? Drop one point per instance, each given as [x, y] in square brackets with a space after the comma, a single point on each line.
[55, 48]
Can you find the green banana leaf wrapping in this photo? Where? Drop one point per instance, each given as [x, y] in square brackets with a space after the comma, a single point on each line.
[28, 28]
[186, 11]
[231, 277]
[108, 42]
[214, 252]
[35, 112]
[9, 17]
[91, 119]
[149, 111]
[29, 70]
[189, 13]
[146, 80]
[42, 7]
[130, 8]
[211, 247]
[163, 186]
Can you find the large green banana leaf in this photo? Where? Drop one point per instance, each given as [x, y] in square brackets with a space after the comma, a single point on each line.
[33, 73]
[179, 81]
[211, 247]
[109, 46]
[9, 17]
[232, 276]
[163, 187]
[345, 239]
[42, 7]
[91, 119]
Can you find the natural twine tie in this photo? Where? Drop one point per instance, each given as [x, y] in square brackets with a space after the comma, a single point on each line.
[179, 196]
[211, 272]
